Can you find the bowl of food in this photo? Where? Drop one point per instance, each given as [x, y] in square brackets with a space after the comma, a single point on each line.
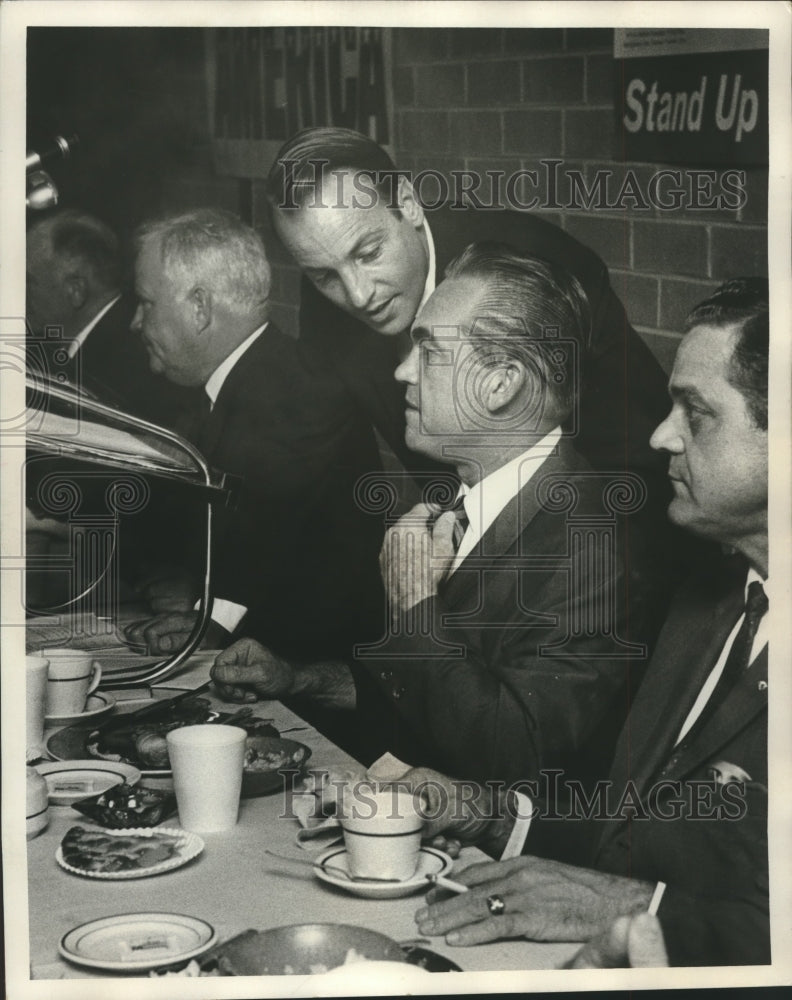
[271, 762]
[304, 949]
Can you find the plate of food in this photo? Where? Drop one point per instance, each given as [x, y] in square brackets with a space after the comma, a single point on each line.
[269, 762]
[125, 854]
[139, 738]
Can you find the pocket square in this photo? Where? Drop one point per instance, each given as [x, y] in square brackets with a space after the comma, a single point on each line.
[723, 771]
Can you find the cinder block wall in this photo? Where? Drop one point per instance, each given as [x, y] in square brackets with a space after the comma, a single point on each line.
[504, 99]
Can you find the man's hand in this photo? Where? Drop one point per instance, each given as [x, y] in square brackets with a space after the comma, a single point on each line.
[170, 591]
[462, 810]
[544, 901]
[246, 671]
[630, 942]
[167, 633]
[416, 556]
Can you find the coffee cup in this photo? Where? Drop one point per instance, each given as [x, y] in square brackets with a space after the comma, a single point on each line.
[36, 672]
[73, 674]
[382, 832]
[207, 763]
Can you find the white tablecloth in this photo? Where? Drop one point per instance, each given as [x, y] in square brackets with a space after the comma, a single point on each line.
[235, 886]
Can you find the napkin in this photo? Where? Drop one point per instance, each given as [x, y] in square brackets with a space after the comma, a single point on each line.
[315, 807]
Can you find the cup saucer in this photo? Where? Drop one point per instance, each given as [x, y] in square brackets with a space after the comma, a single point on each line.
[430, 862]
[98, 704]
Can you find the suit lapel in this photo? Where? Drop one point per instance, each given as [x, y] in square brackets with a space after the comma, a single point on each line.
[504, 533]
[745, 701]
[687, 650]
[212, 430]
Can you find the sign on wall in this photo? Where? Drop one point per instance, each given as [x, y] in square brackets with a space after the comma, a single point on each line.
[265, 84]
[692, 95]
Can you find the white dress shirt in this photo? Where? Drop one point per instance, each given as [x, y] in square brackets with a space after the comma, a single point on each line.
[227, 613]
[487, 498]
[760, 641]
[430, 284]
[77, 342]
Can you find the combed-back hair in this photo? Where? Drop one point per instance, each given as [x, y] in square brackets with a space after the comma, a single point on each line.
[528, 309]
[302, 163]
[77, 236]
[746, 303]
[212, 246]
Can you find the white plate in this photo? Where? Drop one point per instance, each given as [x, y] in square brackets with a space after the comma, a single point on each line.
[190, 847]
[71, 780]
[430, 862]
[132, 942]
[97, 704]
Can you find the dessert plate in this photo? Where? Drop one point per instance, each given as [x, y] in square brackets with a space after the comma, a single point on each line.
[189, 846]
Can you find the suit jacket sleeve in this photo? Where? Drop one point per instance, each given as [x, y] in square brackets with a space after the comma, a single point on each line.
[488, 703]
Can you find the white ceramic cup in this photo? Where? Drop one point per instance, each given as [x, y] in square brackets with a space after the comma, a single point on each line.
[73, 675]
[207, 763]
[382, 832]
[36, 672]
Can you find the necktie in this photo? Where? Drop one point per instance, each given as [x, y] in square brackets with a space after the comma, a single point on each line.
[461, 521]
[739, 655]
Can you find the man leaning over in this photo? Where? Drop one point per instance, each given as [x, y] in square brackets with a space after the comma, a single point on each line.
[521, 649]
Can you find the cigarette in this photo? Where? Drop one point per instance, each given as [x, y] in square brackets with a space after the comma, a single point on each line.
[654, 903]
[447, 883]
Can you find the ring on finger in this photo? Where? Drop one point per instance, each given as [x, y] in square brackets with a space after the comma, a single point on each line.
[495, 904]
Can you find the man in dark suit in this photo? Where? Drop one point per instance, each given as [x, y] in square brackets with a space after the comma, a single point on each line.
[291, 556]
[516, 650]
[79, 318]
[371, 255]
[79, 335]
[682, 820]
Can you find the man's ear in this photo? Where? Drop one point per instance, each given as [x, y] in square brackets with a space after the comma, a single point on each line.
[200, 299]
[76, 290]
[409, 206]
[502, 384]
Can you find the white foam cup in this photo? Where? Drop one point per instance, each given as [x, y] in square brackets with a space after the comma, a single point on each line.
[207, 763]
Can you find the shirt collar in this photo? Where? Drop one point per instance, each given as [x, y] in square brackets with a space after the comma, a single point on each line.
[753, 577]
[215, 381]
[429, 287]
[80, 339]
[486, 499]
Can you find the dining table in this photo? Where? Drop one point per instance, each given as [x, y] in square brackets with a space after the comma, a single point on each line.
[234, 884]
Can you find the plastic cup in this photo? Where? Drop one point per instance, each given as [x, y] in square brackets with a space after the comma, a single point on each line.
[73, 675]
[207, 763]
[382, 832]
[36, 673]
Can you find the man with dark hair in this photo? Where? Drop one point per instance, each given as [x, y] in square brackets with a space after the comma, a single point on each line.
[371, 256]
[511, 648]
[683, 816]
[79, 318]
